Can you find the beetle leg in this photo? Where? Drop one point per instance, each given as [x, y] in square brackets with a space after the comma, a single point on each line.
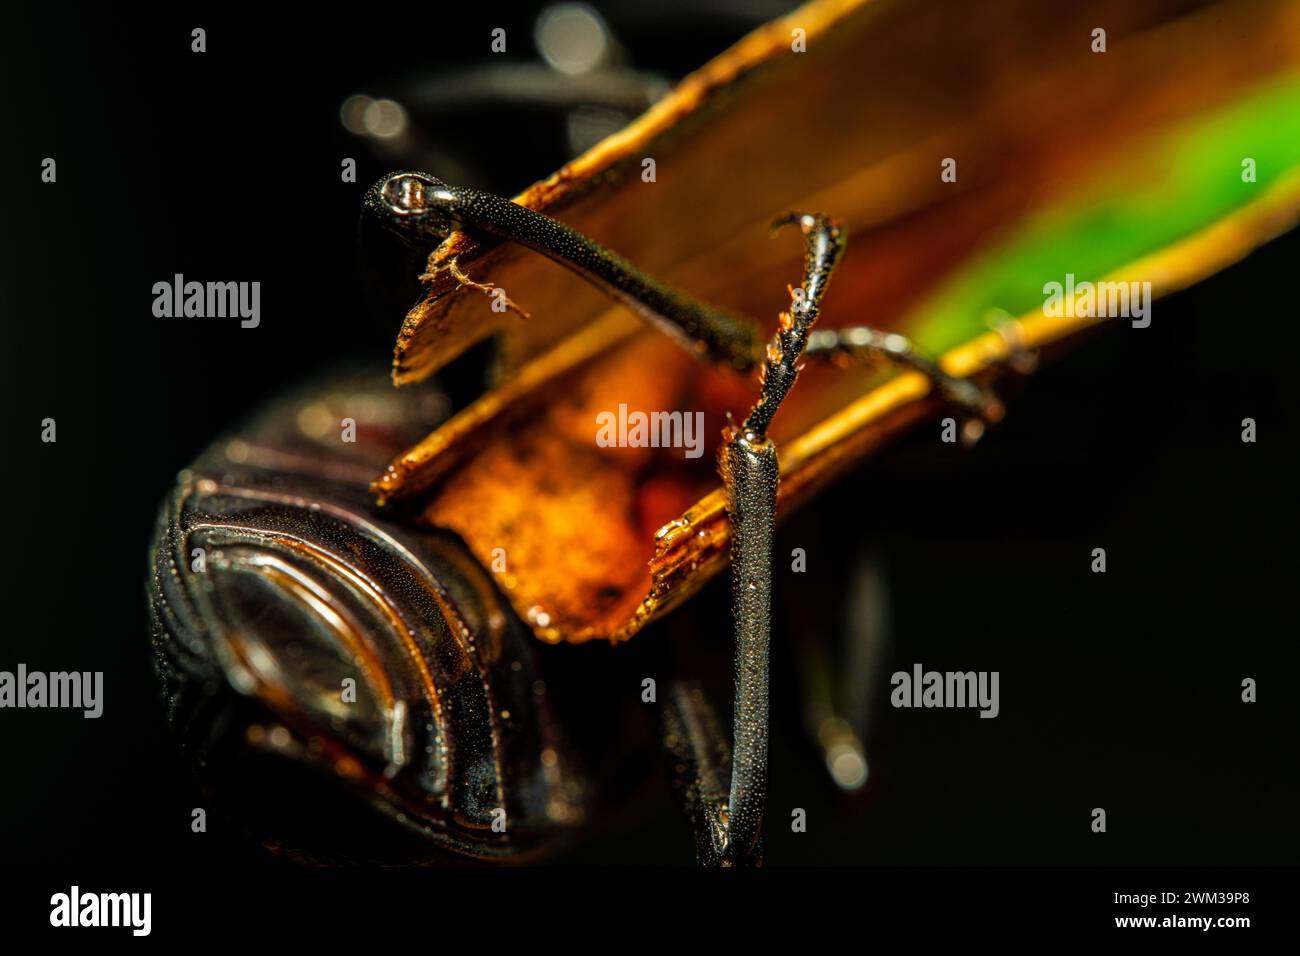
[860, 343]
[423, 210]
[694, 740]
[748, 464]
[749, 470]
[487, 288]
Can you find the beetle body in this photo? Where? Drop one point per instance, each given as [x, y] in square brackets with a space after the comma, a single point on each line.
[448, 729]
[379, 656]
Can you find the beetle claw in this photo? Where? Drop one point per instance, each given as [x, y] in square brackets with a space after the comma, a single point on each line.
[487, 288]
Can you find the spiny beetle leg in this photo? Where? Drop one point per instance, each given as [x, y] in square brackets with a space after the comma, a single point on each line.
[747, 462]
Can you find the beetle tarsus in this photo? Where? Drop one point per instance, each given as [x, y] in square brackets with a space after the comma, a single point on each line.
[824, 240]
[861, 343]
[487, 288]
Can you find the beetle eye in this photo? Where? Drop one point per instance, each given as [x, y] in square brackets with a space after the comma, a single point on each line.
[420, 209]
[405, 194]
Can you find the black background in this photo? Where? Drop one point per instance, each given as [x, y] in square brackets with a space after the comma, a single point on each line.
[1120, 691]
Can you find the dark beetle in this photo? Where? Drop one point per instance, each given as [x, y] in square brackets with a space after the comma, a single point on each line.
[294, 618]
[386, 657]
[273, 583]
